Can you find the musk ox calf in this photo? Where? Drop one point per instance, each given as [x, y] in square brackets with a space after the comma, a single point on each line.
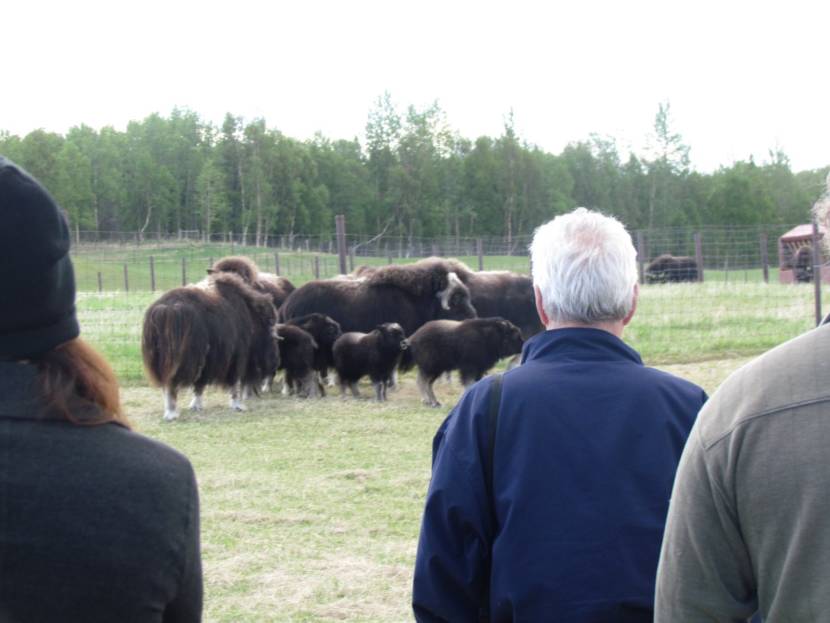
[278, 288]
[325, 332]
[375, 354]
[297, 351]
[409, 295]
[669, 268]
[221, 332]
[470, 346]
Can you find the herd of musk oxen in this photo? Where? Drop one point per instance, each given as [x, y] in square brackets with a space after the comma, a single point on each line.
[239, 327]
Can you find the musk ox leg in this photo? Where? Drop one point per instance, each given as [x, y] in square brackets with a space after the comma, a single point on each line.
[237, 398]
[170, 412]
[425, 387]
[380, 390]
[311, 387]
[196, 403]
[355, 390]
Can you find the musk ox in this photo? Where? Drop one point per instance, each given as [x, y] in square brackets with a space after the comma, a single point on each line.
[669, 268]
[297, 349]
[376, 354]
[220, 332]
[278, 288]
[409, 295]
[325, 332]
[470, 346]
[802, 264]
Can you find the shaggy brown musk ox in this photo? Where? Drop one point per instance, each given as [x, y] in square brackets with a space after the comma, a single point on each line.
[671, 268]
[409, 295]
[470, 346]
[220, 332]
[278, 288]
[375, 354]
[297, 352]
[325, 332]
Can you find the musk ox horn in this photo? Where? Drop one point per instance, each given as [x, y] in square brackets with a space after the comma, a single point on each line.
[452, 283]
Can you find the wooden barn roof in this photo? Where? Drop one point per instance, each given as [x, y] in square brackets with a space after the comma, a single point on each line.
[801, 232]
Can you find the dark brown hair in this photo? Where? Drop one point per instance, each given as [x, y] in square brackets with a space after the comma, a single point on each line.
[80, 385]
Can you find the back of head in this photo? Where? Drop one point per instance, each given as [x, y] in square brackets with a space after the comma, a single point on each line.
[585, 267]
[821, 212]
[38, 323]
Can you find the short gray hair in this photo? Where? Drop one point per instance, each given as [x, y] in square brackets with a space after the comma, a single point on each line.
[821, 209]
[585, 267]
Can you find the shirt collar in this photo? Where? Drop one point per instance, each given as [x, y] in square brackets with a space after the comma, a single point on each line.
[578, 343]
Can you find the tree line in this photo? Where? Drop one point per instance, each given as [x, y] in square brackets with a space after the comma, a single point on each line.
[411, 176]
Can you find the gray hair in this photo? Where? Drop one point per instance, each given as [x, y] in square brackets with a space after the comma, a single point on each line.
[585, 267]
[821, 208]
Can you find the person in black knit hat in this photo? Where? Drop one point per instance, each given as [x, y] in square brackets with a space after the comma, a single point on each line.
[97, 522]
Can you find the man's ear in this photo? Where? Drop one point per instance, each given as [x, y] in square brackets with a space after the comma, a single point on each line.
[635, 297]
[540, 309]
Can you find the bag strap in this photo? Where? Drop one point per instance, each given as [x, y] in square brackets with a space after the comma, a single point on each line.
[493, 405]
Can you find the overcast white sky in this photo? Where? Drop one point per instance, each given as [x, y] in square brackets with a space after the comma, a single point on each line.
[741, 77]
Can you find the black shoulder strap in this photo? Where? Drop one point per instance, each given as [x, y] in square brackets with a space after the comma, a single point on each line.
[492, 425]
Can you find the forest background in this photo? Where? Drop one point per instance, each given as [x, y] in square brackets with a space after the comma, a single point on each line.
[411, 176]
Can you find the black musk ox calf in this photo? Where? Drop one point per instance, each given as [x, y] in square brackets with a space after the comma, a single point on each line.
[278, 288]
[669, 268]
[297, 351]
[375, 354]
[220, 332]
[470, 346]
[409, 295]
[325, 332]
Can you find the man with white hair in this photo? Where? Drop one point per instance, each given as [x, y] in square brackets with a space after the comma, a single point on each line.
[550, 485]
[748, 528]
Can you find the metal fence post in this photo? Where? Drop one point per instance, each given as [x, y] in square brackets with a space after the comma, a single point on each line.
[817, 272]
[126, 280]
[340, 226]
[641, 256]
[100, 283]
[184, 271]
[480, 253]
[152, 274]
[316, 266]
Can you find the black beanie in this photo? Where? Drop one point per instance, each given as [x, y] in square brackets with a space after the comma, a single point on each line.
[37, 283]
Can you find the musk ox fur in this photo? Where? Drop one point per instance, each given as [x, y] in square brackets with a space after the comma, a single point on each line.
[802, 264]
[409, 295]
[670, 268]
[325, 332]
[277, 287]
[375, 354]
[297, 348]
[220, 332]
[470, 346]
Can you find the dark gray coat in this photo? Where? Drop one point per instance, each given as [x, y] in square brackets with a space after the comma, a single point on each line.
[97, 523]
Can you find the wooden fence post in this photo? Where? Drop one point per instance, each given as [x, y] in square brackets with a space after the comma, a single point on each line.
[184, 271]
[699, 256]
[100, 283]
[817, 271]
[480, 253]
[152, 274]
[126, 280]
[316, 266]
[765, 257]
[276, 262]
[641, 256]
[351, 259]
[340, 226]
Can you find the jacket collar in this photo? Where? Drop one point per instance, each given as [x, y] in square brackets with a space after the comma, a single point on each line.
[579, 344]
[20, 392]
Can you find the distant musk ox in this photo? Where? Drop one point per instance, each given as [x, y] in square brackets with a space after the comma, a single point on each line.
[220, 332]
[278, 288]
[325, 332]
[375, 354]
[669, 268]
[297, 350]
[470, 346]
[802, 263]
[409, 295]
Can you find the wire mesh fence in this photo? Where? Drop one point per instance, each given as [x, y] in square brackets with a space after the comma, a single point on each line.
[743, 300]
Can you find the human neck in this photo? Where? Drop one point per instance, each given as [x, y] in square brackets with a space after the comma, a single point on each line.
[613, 327]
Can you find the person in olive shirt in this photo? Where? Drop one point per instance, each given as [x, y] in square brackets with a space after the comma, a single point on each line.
[97, 523]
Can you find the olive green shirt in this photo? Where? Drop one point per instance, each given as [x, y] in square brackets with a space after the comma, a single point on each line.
[749, 520]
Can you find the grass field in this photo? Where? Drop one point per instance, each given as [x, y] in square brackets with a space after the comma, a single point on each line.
[311, 509]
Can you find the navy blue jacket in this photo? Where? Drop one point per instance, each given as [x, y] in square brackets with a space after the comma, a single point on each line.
[587, 444]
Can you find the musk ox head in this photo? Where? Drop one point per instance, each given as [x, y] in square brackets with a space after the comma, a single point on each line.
[454, 299]
[324, 328]
[511, 338]
[237, 264]
[392, 336]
